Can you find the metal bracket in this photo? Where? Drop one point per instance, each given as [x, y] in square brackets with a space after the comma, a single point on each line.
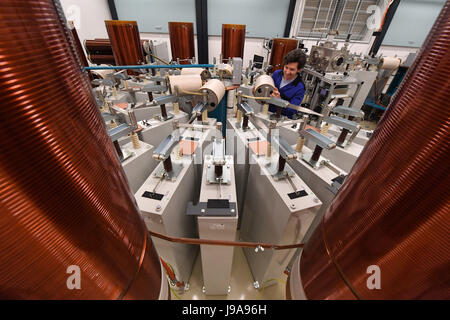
[212, 208]
[318, 139]
[348, 111]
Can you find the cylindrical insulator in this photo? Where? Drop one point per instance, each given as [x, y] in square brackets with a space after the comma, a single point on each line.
[324, 129]
[342, 136]
[239, 116]
[205, 116]
[278, 112]
[264, 87]
[163, 111]
[233, 40]
[135, 140]
[68, 216]
[187, 82]
[266, 108]
[245, 122]
[281, 47]
[395, 200]
[125, 42]
[218, 170]
[176, 108]
[216, 90]
[300, 143]
[112, 124]
[203, 73]
[316, 154]
[167, 164]
[281, 164]
[182, 41]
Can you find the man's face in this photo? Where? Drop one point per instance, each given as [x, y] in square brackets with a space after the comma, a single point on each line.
[290, 70]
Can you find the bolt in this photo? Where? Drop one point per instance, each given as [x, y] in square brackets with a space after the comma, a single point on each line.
[158, 208]
[203, 289]
[202, 211]
[232, 210]
[316, 200]
[292, 206]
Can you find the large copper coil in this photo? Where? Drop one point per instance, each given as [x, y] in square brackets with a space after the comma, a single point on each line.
[233, 40]
[79, 48]
[182, 41]
[64, 198]
[393, 209]
[281, 47]
[102, 59]
[98, 46]
[125, 42]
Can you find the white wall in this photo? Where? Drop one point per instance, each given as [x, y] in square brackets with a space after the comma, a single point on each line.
[89, 17]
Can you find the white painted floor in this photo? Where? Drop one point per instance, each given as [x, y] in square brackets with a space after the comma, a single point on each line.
[241, 284]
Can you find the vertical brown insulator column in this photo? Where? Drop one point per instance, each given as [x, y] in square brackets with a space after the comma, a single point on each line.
[280, 47]
[233, 40]
[393, 209]
[125, 42]
[64, 198]
[182, 41]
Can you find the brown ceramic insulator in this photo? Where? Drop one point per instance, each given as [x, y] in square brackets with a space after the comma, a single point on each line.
[125, 42]
[281, 163]
[218, 170]
[102, 59]
[278, 112]
[163, 111]
[182, 41]
[281, 47]
[245, 121]
[233, 40]
[393, 209]
[316, 153]
[167, 164]
[342, 136]
[64, 197]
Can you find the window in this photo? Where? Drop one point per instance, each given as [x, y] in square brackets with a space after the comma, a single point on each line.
[347, 16]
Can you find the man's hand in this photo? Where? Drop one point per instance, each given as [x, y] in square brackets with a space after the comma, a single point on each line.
[275, 93]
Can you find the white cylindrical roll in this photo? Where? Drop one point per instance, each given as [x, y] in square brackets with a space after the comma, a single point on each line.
[102, 73]
[188, 82]
[264, 87]
[389, 63]
[225, 69]
[204, 73]
[216, 91]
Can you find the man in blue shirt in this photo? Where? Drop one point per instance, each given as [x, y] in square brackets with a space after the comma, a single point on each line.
[288, 83]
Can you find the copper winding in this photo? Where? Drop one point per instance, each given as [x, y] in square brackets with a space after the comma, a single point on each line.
[125, 42]
[233, 41]
[281, 47]
[394, 203]
[182, 41]
[64, 196]
[226, 243]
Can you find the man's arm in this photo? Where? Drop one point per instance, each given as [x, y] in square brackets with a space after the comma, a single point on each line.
[298, 97]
